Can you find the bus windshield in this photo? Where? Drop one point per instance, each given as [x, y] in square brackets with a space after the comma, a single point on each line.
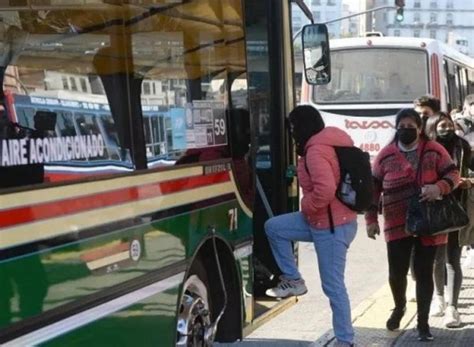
[375, 75]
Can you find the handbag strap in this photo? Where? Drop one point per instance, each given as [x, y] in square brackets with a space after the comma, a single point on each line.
[419, 174]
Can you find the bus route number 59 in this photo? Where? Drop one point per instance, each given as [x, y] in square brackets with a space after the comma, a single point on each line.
[220, 129]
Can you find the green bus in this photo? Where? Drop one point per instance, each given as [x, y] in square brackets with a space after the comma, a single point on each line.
[143, 146]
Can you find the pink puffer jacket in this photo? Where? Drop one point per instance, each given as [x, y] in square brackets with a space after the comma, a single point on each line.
[319, 186]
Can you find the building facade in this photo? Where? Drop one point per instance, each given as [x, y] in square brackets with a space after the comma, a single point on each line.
[323, 11]
[449, 21]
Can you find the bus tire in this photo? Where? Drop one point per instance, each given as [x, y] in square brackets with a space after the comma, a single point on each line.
[194, 311]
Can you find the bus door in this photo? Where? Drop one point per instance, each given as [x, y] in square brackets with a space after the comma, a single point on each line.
[269, 101]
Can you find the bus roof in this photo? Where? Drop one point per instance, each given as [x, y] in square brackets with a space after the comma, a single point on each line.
[430, 45]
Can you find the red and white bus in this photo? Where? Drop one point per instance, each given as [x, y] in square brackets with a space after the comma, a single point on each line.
[373, 78]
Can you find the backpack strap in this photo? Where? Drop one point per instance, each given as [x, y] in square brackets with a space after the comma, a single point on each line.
[331, 220]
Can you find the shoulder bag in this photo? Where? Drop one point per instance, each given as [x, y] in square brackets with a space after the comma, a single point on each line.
[429, 218]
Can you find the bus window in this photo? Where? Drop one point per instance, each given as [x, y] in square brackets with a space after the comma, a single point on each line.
[148, 138]
[87, 124]
[453, 84]
[386, 75]
[471, 81]
[107, 126]
[446, 85]
[188, 67]
[157, 140]
[169, 134]
[110, 129]
[65, 124]
[25, 116]
[154, 142]
[463, 84]
[61, 77]
[161, 127]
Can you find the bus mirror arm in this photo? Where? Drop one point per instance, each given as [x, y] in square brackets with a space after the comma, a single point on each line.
[211, 330]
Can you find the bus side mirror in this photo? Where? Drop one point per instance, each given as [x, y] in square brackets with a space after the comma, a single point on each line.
[316, 57]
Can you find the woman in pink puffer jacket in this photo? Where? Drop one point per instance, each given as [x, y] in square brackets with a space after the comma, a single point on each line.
[318, 173]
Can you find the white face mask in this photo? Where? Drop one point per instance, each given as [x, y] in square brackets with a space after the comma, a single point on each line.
[460, 133]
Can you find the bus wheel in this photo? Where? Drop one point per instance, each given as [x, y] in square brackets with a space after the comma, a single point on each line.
[194, 317]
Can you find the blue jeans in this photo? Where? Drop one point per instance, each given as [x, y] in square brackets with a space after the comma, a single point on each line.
[331, 249]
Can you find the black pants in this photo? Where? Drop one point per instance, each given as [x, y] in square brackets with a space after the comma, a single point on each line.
[399, 253]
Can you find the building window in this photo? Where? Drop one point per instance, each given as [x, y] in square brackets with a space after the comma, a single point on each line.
[65, 83]
[416, 33]
[316, 2]
[449, 4]
[396, 33]
[433, 4]
[331, 2]
[72, 80]
[433, 34]
[146, 88]
[417, 4]
[449, 19]
[433, 17]
[83, 85]
[416, 17]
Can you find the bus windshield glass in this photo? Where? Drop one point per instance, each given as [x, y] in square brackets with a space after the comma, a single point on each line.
[375, 75]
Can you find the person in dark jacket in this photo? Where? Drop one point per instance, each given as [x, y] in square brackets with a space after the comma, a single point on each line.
[441, 128]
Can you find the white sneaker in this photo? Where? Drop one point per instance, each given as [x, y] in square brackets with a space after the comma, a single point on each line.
[438, 305]
[452, 318]
[287, 288]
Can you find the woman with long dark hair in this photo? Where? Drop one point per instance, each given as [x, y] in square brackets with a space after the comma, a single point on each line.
[397, 170]
[441, 128]
[319, 176]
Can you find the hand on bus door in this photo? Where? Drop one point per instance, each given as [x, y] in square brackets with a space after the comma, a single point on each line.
[372, 230]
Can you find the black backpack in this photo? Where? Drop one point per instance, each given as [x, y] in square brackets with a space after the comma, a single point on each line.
[356, 187]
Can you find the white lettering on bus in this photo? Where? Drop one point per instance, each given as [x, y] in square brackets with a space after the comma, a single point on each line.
[5, 154]
[39, 150]
[89, 146]
[33, 156]
[100, 145]
[23, 152]
[53, 154]
[46, 150]
[16, 153]
[53, 149]
[69, 148]
[76, 145]
[83, 147]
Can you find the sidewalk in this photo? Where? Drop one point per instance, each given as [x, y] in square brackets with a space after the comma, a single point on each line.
[370, 317]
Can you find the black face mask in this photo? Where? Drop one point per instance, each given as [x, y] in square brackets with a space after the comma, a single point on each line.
[407, 135]
[446, 135]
